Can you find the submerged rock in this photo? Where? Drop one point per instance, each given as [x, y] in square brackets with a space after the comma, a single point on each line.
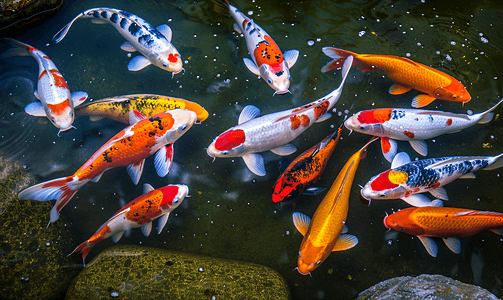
[33, 262]
[136, 272]
[424, 287]
[17, 15]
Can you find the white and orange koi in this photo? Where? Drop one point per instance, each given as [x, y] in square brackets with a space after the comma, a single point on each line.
[140, 212]
[413, 125]
[56, 101]
[268, 60]
[130, 147]
[273, 131]
[154, 44]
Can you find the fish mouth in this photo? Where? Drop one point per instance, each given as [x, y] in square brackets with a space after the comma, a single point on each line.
[384, 221]
[365, 196]
[301, 273]
[66, 129]
[281, 92]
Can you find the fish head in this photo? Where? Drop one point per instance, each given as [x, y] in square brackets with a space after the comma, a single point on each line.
[174, 124]
[402, 221]
[456, 91]
[169, 60]
[387, 185]
[61, 115]
[285, 189]
[369, 121]
[277, 76]
[228, 144]
[172, 196]
[310, 257]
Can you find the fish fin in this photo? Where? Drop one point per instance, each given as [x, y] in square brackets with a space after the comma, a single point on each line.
[313, 190]
[301, 222]
[116, 237]
[389, 148]
[440, 193]
[251, 66]
[54, 189]
[147, 188]
[367, 69]
[128, 47]
[163, 160]
[345, 242]
[453, 243]
[486, 118]
[291, 57]
[84, 249]
[35, 109]
[498, 163]
[420, 147]
[323, 117]
[339, 56]
[19, 49]
[135, 170]
[255, 163]
[95, 118]
[422, 100]
[497, 231]
[437, 203]
[135, 116]
[248, 113]
[400, 159]
[237, 28]
[166, 31]
[35, 93]
[127, 232]
[138, 63]
[97, 178]
[284, 150]
[397, 89]
[78, 98]
[162, 222]
[417, 200]
[429, 244]
[345, 229]
[283, 164]
[470, 175]
[145, 229]
[98, 21]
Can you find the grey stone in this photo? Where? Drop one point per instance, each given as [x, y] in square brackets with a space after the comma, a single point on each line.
[18, 15]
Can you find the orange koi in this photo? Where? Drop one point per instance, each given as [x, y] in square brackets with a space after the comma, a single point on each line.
[406, 74]
[130, 147]
[324, 233]
[447, 223]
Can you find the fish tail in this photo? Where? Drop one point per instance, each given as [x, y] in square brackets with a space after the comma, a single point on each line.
[222, 8]
[497, 163]
[62, 33]
[84, 249]
[373, 139]
[339, 57]
[19, 49]
[487, 116]
[58, 189]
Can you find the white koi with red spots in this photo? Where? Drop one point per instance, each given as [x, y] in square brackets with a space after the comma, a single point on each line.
[56, 101]
[130, 147]
[267, 60]
[413, 125]
[273, 131]
[140, 212]
[153, 43]
[406, 180]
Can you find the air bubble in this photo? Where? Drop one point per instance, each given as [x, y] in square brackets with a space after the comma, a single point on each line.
[310, 43]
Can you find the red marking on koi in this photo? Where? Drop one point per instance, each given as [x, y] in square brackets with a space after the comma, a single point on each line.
[58, 78]
[44, 72]
[375, 116]
[295, 122]
[304, 120]
[408, 134]
[321, 109]
[173, 58]
[382, 182]
[59, 108]
[230, 139]
[385, 145]
[449, 122]
[169, 193]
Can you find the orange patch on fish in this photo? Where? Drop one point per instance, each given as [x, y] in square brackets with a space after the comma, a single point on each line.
[304, 120]
[409, 134]
[295, 122]
[230, 139]
[375, 116]
[449, 122]
[268, 52]
[385, 145]
[58, 78]
[173, 58]
[321, 109]
[59, 108]
[397, 177]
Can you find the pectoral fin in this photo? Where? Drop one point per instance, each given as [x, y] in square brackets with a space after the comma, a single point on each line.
[440, 193]
[163, 160]
[419, 200]
[468, 176]
[135, 170]
[237, 28]
[166, 31]
[290, 57]
[35, 109]
[255, 163]
[284, 150]
[429, 244]
[453, 243]
[397, 89]
[138, 63]
[301, 222]
[162, 222]
[323, 117]
[420, 147]
[116, 237]
[97, 178]
[345, 242]
[145, 229]
[389, 148]
[251, 66]
[422, 100]
[248, 113]
[313, 190]
[78, 98]
[127, 46]
[400, 159]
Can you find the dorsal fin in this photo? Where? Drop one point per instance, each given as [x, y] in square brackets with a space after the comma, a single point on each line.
[147, 188]
[135, 116]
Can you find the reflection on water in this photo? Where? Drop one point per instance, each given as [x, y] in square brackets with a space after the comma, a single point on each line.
[230, 213]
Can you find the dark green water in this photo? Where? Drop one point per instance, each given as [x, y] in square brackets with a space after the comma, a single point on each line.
[230, 213]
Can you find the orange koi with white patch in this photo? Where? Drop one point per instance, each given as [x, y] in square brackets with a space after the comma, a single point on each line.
[406, 74]
[131, 147]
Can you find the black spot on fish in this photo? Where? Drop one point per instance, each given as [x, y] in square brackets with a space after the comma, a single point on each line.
[152, 133]
[133, 28]
[114, 18]
[252, 31]
[248, 26]
[96, 14]
[145, 39]
[106, 158]
[279, 73]
[123, 23]
[104, 15]
[129, 15]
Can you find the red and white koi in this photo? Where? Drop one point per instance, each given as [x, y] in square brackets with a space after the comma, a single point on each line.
[56, 101]
[267, 60]
[413, 125]
[272, 132]
[406, 179]
[130, 147]
[140, 212]
[153, 43]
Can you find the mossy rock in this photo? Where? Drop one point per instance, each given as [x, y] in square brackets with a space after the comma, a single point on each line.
[18, 15]
[136, 272]
[33, 258]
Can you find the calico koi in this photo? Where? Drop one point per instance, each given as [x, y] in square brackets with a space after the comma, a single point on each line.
[130, 147]
[406, 74]
[154, 44]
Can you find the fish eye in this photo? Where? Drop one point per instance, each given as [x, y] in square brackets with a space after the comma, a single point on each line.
[175, 201]
[182, 127]
[299, 253]
[225, 152]
[166, 65]
[71, 114]
[53, 120]
[289, 77]
[269, 80]
[362, 127]
[382, 195]
[318, 262]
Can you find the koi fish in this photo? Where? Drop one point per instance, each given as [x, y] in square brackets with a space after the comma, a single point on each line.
[447, 223]
[305, 170]
[413, 125]
[154, 44]
[140, 212]
[267, 60]
[406, 178]
[130, 147]
[56, 101]
[118, 108]
[326, 231]
[406, 74]
[273, 131]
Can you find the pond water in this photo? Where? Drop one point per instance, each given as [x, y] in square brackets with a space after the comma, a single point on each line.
[230, 214]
